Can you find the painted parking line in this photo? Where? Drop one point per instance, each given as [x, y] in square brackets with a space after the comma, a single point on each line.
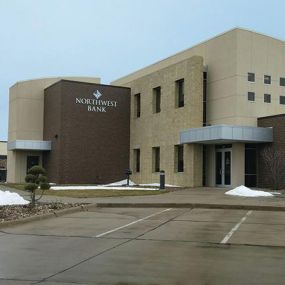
[235, 228]
[132, 223]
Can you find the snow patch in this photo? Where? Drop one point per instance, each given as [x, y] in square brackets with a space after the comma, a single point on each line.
[100, 188]
[9, 198]
[157, 185]
[121, 183]
[247, 192]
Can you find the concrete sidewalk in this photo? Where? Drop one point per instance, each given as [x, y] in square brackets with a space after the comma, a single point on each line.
[213, 197]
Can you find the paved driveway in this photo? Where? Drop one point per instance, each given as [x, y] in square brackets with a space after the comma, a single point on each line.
[146, 246]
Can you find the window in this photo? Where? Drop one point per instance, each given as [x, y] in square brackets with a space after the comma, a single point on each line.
[32, 161]
[282, 100]
[282, 81]
[137, 159]
[179, 161]
[267, 79]
[250, 165]
[155, 159]
[156, 99]
[267, 98]
[137, 105]
[250, 96]
[251, 77]
[179, 93]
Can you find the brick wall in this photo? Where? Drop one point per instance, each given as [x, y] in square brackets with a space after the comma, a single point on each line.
[88, 146]
[278, 124]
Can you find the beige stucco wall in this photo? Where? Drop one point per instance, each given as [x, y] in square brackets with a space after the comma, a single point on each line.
[26, 114]
[162, 129]
[228, 58]
[3, 148]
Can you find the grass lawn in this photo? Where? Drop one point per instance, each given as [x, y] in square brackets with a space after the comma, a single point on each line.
[91, 193]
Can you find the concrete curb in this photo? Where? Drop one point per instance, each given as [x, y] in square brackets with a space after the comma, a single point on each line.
[54, 214]
[192, 205]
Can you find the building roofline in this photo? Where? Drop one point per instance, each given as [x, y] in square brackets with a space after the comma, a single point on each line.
[195, 45]
[55, 77]
[82, 82]
[271, 116]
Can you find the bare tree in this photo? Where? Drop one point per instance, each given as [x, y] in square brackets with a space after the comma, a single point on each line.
[275, 163]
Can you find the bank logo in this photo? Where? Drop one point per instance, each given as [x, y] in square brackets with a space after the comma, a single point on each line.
[97, 94]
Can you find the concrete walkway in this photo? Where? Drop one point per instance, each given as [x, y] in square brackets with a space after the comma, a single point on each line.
[200, 195]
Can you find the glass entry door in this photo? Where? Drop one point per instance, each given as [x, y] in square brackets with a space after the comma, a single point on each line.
[223, 167]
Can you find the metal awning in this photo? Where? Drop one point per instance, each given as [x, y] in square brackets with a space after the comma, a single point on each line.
[35, 145]
[226, 134]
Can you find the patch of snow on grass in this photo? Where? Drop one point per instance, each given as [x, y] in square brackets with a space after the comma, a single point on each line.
[247, 192]
[121, 183]
[98, 187]
[157, 185]
[9, 198]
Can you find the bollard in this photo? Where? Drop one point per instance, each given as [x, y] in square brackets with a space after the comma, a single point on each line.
[162, 179]
[128, 172]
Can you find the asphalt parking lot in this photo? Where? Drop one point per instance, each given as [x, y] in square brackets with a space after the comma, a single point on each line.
[146, 246]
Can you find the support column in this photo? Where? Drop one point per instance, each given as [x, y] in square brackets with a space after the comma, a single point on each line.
[238, 164]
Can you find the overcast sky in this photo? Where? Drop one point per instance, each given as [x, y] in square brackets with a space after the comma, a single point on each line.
[111, 38]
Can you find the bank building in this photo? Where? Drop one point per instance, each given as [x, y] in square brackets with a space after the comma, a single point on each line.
[202, 115]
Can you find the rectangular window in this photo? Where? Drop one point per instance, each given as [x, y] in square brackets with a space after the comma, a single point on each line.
[267, 98]
[137, 159]
[267, 79]
[282, 81]
[156, 99]
[179, 93]
[32, 161]
[137, 105]
[250, 96]
[179, 158]
[250, 165]
[155, 159]
[250, 77]
[282, 100]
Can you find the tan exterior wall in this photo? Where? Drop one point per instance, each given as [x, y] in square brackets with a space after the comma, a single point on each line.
[26, 114]
[162, 129]
[228, 58]
[3, 148]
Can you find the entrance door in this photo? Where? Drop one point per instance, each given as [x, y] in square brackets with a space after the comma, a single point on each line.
[223, 167]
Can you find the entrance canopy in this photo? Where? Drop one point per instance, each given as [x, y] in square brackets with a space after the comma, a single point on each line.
[226, 134]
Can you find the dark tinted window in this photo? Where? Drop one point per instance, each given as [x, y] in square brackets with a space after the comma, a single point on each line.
[282, 100]
[137, 156]
[179, 86]
[251, 77]
[179, 158]
[250, 96]
[156, 159]
[267, 79]
[32, 161]
[137, 105]
[267, 98]
[156, 99]
[282, 81]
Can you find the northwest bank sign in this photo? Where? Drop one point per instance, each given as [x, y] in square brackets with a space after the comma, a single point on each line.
[96, 104]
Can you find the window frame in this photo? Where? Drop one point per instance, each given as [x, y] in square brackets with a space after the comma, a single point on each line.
[137, 105]
[248, 96]
[156, 159]
[267, 77]
[180, 93]
[137, 160]
[179, 163]
[156, 100]
[268, 96]
[248, 77]
[280, 99]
